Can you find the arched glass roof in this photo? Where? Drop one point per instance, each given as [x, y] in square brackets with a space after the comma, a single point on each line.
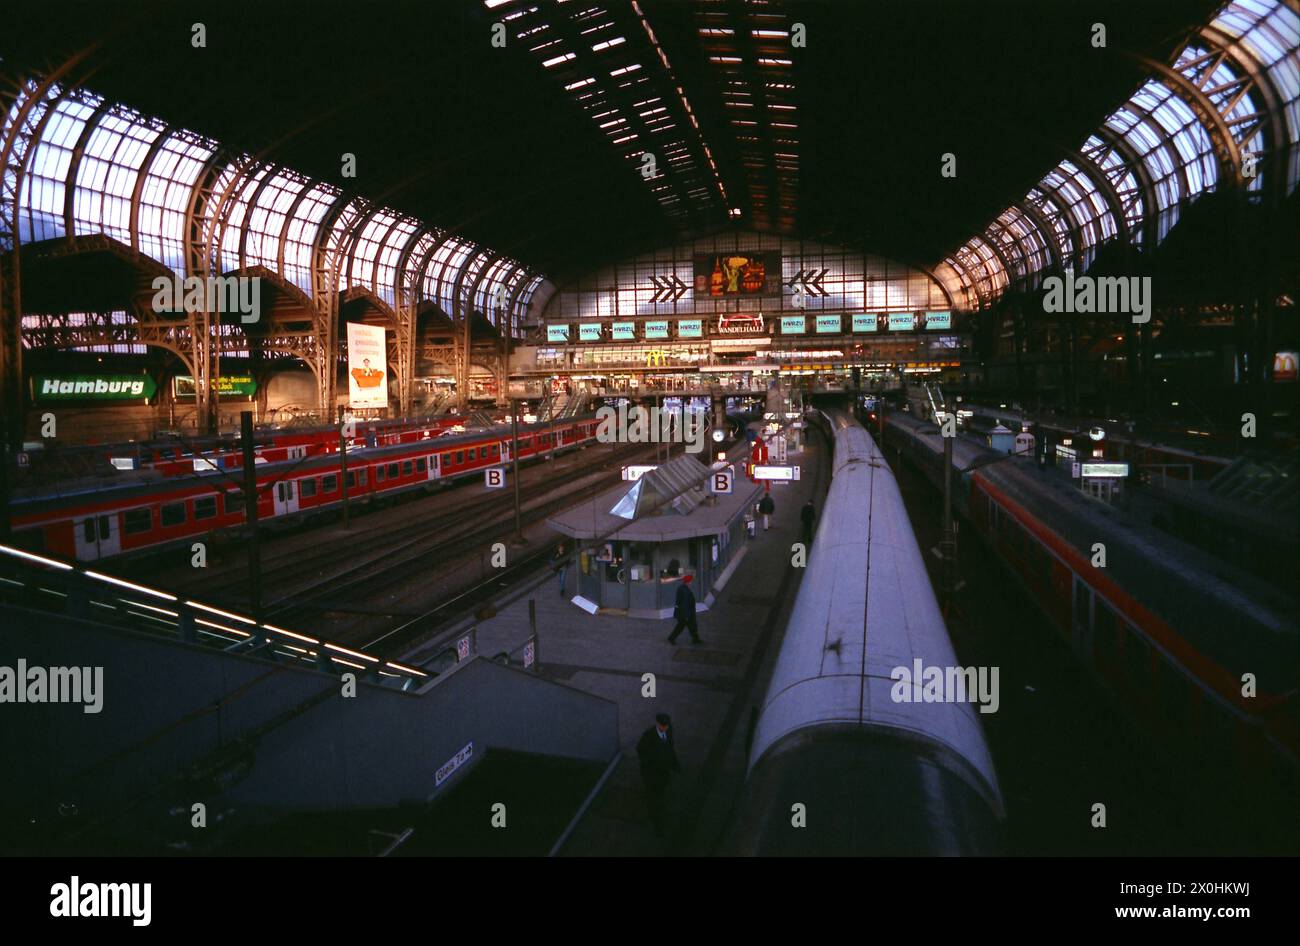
[134, 178]
[1154, 154]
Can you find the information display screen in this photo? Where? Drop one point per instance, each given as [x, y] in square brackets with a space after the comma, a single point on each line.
[901, 322]
[557, 333]
[624, 331]
[828, 324]
[938, 320]
[690, 328]
[657, 329]
[589, 332]
[793, 325]
[864, 322]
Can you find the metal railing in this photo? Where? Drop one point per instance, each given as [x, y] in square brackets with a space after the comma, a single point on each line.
[42, 583]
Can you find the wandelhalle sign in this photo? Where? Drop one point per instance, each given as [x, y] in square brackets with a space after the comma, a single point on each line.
[88, 387]
[235, 385]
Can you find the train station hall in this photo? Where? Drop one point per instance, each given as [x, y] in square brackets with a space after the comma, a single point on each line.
[649, 429]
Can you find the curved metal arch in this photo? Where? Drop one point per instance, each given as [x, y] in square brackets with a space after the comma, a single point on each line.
[37, 137]
[242, 257]
[1072, 223]
[74, 168]
[398, 220]
[1150, 209]
[964, 271]
[1147, 118]
[994, 292]
[1021, 272]
[1045, 230]
[400, 286]
[1207, 113]
[255, 172]
[1097, 174]
[1274, 127]
[289, 216]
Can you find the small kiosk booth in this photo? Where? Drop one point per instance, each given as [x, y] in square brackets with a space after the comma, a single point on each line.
[634, 543]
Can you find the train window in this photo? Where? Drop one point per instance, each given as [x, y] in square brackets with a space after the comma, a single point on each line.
[234, 502]
[307, 487]
[1136, 654]
[392, 471]
[406, 467]
[1104, 632]
[379, 474]
[482, 453]
[135, 521]
[446, 459]
[173, 514]
[421, 465]
[88, 529]
[496, 449]
[329, 484]
[460, 457]
[205, 507]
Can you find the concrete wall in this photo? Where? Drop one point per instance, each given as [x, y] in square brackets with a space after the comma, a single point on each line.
[168, 705]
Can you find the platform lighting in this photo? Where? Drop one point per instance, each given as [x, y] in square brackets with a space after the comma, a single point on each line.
[1097, 433]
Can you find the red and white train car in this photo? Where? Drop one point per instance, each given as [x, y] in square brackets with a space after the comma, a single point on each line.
[146, 512]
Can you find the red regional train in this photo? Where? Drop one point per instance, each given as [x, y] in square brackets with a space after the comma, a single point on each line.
[146, 511]
[172, 458]
[1160, 624]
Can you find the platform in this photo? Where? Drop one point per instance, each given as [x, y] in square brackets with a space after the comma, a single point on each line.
[708, 689]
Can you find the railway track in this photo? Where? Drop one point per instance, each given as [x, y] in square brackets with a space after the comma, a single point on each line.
[311, 581]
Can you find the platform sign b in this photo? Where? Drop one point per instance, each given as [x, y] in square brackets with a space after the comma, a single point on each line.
[720, 482]
[494, 477]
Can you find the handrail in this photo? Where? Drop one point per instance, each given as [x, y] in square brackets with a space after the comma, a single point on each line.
[194, 622]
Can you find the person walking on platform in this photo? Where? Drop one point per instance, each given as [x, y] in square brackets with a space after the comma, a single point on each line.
[560, 562]
[766, 506]
[808, 516]
[658, 766]
[684, 612]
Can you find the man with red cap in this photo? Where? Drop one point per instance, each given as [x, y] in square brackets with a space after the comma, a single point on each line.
[684, 612]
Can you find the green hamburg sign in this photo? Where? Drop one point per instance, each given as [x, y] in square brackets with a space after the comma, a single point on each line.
[87, 387]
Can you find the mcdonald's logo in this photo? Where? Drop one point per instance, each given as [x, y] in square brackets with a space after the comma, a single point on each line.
[1286, 366]
[656, 358]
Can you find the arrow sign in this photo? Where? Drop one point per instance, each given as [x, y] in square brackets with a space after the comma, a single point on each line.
[667, 288]
[810, 281]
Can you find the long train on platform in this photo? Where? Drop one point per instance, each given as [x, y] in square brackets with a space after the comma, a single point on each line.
[142, 511]
[1163, 624]
[873, 775]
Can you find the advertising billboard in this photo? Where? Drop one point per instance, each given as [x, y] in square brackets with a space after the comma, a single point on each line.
[557, 333]
[624, 331]
[742, 273]
[690, 328]
[588, 331]
[233, 385]
[864, 322]
[901, 322]
[367, 366]
[793, 325]
[828, 324]
[938, 320]
[657, 329]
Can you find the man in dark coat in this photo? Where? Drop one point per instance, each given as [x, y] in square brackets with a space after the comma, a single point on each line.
[684, 612]
[808, 516]
[658, 766]
[766, 506]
